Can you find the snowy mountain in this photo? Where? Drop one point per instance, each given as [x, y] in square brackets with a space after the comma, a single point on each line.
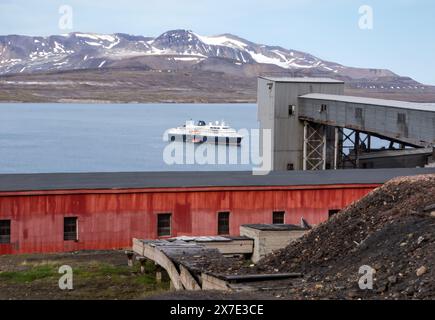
[173, 50]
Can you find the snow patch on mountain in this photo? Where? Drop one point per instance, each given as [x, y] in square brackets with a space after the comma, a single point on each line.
[96, 37]
[188, 59]
[223, 41]
[261, 58]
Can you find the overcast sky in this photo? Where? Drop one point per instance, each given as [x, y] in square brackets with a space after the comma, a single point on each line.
[402, 39]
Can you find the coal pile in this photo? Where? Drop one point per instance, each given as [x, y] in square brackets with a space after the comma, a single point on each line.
[392, 230]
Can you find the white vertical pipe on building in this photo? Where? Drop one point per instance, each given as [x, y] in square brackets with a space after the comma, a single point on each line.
[336, 132]
[324, 147]
[304, 161]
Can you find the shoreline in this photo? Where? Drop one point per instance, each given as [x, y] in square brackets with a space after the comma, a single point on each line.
[94, 101]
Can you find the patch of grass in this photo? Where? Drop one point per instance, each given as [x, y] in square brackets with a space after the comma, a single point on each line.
[111, 270]
[146, 279]
[52, 263]
[103, 279]
[247, 263]
[102, 270]
[95, 277]
[35, 273]
[150, 267]
[83, 273]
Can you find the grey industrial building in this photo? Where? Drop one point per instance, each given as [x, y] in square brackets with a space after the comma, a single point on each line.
[316, 127]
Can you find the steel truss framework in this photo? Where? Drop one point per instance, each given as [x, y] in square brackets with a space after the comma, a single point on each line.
[314, 146]
[350, 147]
[343, 144]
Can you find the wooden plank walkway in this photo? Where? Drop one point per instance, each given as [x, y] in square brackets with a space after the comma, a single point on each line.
[188, 264]
[183, 261]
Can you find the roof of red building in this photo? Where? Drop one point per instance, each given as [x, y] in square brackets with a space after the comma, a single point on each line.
[139, 180]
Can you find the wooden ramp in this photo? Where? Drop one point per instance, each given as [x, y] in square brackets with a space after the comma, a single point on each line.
[183, 261]
[191, 263]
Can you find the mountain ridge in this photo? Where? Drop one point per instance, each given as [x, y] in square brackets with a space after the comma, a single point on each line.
[177, 66]
[172, 50]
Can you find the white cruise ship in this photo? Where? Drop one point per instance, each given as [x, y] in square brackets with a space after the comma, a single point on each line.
[217, 133]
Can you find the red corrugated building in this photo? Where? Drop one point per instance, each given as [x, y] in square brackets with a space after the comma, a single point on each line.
[79, 211]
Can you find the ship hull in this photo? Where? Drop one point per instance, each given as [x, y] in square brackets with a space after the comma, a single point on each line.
[198, 139]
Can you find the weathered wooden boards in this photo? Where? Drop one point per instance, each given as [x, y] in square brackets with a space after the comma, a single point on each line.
[182, 261]
[192, 263]
[225, 245]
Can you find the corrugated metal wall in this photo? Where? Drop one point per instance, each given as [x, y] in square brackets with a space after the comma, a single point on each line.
[110, 219]
[407, 125]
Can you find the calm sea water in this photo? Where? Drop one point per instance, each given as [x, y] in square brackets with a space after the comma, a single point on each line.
[106, 138]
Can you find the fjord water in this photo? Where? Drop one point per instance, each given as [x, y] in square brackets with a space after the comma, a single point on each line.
[106, 137]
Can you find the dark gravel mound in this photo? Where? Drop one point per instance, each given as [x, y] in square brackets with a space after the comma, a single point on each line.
[391, 230]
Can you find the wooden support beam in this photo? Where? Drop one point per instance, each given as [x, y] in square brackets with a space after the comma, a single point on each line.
[158, 277]
[137, 247]
[130, 255]
[212, 283]
[142, 261]
[188, 280]
[160, 258]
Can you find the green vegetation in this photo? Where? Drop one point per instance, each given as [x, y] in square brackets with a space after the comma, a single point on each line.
[35, 273]
[99, 277]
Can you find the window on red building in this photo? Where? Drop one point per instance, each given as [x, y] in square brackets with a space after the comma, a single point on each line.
[278, 217]
[5, 231]
[223, 223]
[333, 212]
[164, 224]
[70, 229]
